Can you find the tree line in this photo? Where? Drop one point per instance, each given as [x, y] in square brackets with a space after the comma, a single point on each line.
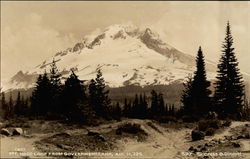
[141, 108]
[77, 100]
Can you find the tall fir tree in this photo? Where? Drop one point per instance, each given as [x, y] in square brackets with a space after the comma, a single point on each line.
[11, 106]
[18, 105]
[200, 87]
[186, 97]
[4, 105]
[135, 106]
[92, 93]
[117, 111]
[41, 99]
[126, 108]
[73, 96]
[56, 87]
[145, 107]
[154, 104]
[98, 95]
[166, 110]
[161, 104]
[229, 89]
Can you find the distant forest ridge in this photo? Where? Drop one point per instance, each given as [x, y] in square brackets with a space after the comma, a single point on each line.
[171, 93]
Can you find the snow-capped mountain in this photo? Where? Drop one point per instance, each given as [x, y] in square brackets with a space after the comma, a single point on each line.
[125, 54]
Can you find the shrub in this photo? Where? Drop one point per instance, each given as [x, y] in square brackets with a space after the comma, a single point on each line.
[215, 124]
[204, 125]
[227, 123]
[197, 135]
[210, 132]
[131, 128]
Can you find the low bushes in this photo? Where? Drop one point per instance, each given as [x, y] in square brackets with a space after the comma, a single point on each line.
[209, 127]
[204, 125]
[131, 128]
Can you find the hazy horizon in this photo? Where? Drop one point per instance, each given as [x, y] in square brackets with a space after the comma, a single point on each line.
[34, 31]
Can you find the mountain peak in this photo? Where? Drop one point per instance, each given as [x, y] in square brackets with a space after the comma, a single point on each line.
[121, 29]
[131, 55]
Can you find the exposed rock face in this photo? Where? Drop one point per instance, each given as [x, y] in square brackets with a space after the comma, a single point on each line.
[78, 46]
[25, 78]
[97, 41]
[5, 132]
[17, 131]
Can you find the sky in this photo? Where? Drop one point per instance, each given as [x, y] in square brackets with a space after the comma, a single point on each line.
[34, 31]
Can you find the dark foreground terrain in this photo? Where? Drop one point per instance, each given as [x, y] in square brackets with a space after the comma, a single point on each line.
[126, 138]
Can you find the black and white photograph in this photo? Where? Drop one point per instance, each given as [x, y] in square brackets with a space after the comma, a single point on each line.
[125, 79]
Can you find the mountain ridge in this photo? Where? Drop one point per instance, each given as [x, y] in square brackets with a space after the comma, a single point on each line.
[131, 55]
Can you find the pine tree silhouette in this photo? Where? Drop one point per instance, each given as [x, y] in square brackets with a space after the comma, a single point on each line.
[173, 110]
[161, 104]
[41, 99]
[98, 95]
[229, 90]
[93, 94]
[126, 109]
[56, 87]
[200, 92]
[135, 106]
[18, 105]
[10, 106]
[154, 104]
[4, 106]
[117, 111]
[144, 107]
[186, 97]
[166, 110]
[73, 95]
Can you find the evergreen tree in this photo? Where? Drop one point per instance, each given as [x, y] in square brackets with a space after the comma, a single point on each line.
[55, 76]
[145, 107]
[56, 87]
[186, 97]
[166, 110]
[3, 101]
[24, 106]
[200, 92]
[93, 94]
[41, 99]
[154, 103]
[161, 104]
[135, 106]
[4, 105]
[18, 105]
[73, 94]
[118, 111]
[10, 106]
[172, 110]
[98, 95]
[246, 109]
[130, 113]
[229, 90]
[127, 108]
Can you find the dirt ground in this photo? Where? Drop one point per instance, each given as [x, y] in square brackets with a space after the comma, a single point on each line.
[173, 140]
